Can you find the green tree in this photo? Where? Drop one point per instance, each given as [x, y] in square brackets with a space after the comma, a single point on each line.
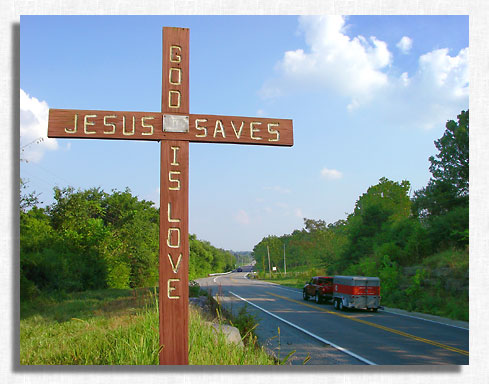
[383, 205]
[89, 239]
[451, 164]
[444, 203]
[131, 252]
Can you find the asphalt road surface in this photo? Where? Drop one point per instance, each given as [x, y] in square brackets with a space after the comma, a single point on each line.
[323, 335]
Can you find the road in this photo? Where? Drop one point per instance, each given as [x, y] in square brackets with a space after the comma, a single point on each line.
[287, 323]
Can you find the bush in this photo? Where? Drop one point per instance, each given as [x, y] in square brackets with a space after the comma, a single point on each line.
[193, 289]
[389, 276]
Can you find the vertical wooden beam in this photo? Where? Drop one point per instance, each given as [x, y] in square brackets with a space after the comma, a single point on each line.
[174, 252]
[175, 75]
[174, 246]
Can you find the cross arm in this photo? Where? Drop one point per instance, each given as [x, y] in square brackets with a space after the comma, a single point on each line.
[95, 124]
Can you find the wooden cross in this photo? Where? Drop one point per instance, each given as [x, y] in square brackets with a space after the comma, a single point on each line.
[174, 127]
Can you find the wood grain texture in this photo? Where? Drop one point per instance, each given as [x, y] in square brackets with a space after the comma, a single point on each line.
[128, 125]
[175, 75]
[174, 245]
[241, 130]
[174, 252]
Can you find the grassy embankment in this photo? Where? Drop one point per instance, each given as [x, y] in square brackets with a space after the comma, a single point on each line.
[438, 286]
[112, 327]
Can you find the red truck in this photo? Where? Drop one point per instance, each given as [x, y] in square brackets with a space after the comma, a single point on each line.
[319, 287]
[356, 292]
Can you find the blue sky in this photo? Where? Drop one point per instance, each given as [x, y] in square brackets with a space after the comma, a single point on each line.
[368, 96]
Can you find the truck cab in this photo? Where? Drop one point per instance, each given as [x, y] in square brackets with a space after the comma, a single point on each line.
[319, 287]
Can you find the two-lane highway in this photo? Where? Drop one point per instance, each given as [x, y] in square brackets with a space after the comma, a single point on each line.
[329, 336]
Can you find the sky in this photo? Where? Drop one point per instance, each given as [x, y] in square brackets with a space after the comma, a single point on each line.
[368, 96]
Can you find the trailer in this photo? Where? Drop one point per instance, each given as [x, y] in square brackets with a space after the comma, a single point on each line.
[356, 292]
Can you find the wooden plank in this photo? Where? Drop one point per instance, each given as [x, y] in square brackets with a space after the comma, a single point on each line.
[175, 75]
[128, 125]
[95, 124]
[240, 130]
[174, 245]
[174, 252]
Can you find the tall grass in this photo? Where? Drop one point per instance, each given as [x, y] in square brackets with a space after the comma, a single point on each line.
[113, 328]
[208, 347]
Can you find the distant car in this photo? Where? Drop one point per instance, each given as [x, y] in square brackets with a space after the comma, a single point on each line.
[319, 287]
[239, 270]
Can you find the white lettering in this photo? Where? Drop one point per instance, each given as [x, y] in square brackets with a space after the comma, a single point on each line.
[219, 128]
[170, 288]
[170, 220]
[273, 131]
[175, 150]
[171, 180]
[174, 267]
[144, 125]
[109, 124]
[179, 76]
[130, 133]
[253, 130]
[238, 133]
[75, 128]
[170, 97]
[174, 56]
[168, 240]
[197, 121]
[87, 123]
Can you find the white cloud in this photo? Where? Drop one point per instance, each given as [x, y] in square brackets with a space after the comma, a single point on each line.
[331, 174]
[242, 217]
[33, 128]
[437, 91]
[405, 79]
[298, 213]
[405, 44]
[350, 67]
[444, 71]
[360, 72]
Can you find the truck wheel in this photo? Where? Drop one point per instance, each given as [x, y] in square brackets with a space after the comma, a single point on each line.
[374, 309]
[305, 296]
[335, 303]
[317, 298]
[340, 305]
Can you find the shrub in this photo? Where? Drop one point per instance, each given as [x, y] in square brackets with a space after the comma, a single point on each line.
[193, 288]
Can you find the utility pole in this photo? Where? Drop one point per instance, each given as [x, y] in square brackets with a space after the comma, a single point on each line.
[269, 268]
[285, 265]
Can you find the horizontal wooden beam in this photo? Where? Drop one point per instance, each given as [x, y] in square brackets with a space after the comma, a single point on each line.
[126, 125]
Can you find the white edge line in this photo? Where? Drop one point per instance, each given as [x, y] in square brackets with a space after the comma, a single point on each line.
[431, 321]
[308, 333]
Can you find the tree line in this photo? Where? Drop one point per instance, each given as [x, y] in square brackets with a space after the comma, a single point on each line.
[388, 230]
[90, 239]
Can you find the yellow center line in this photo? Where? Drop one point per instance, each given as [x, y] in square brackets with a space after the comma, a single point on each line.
[421, 339]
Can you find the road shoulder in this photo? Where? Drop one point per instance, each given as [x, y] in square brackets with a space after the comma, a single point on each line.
[428, 317]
